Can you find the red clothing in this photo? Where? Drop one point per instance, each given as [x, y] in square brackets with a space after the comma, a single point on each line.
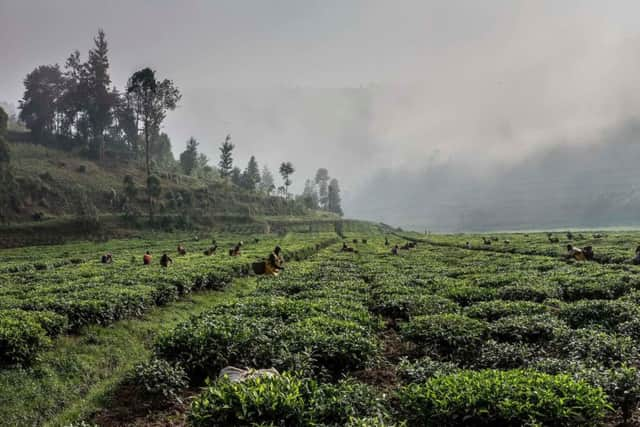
[146, 259]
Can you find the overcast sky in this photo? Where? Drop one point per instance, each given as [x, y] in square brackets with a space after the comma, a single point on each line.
[483, 82]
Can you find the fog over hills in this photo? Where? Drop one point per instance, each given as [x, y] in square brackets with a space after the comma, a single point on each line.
[593, 184]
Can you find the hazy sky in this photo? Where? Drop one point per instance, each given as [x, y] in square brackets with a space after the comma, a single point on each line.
[479, 81]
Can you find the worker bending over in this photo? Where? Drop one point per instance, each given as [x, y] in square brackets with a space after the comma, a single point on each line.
[575, 253]
[275, 262]
[346, 248]
[107, 258]
[165, 260]
[146, 258]
[181, 250]
[235, 251]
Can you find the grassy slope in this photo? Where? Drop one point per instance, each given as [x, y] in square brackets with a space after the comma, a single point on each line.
[54, 181]
[73, 378]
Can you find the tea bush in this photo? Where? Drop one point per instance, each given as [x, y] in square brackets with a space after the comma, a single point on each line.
[445, 334]
[493, 310]
[158, 379]
[537, 328]
[422, 369]
[535, 293]
[284, 400]
[606, 313]
[506, 398]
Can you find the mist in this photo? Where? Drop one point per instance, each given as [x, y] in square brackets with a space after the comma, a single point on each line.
[443, 115]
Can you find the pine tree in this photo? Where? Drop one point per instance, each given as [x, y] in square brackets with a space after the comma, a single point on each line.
[189, 157]
[226, 157]
[251, 175]
[100, 100]
[236, 176]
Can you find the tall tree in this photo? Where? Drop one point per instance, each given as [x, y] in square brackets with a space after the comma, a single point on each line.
[267, 183]
[310, 195]
[4, 146]
[100, 99]
[151, 99]
[125, 127]
[161, 151]
[73, 103]
[189, 157]
[251, 175]
[236, 176]
[333, 198]
[7, 182]
[154, 189]
[322, 179]
[203, 161]
[226, 157]
[43, 90]
[286, 170]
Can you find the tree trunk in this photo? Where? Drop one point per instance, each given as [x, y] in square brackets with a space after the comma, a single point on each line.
[146, 152]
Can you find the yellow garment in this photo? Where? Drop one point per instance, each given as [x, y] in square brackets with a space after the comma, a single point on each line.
[577, 254]
[272, 269]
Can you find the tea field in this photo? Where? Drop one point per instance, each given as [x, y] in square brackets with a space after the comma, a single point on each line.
[506, 334]
[49, 290]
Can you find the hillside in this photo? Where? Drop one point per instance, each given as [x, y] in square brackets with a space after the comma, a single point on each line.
[60, 194]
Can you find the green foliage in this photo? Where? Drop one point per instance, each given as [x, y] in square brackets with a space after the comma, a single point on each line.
[130, 189]
[159, 379]
[466, 295]
[283, 400]
[338, 346]
[334, 202]
[424, 368]
[22, 336]
[606, 313]
[251, 175]
[189, 157]
[507, 398]
[286, 170]
[401, 302]
[43, 87]
[494, 310]
[60, 287]
[4, 119]
[596, 347]
[504, 355]
[446, 334]
[5, 154]
[534, 329]
[622, 386]
[154, 187]
[535, 293]
[226, 157]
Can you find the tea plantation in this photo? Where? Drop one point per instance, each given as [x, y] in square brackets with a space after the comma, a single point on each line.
[443, 334]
